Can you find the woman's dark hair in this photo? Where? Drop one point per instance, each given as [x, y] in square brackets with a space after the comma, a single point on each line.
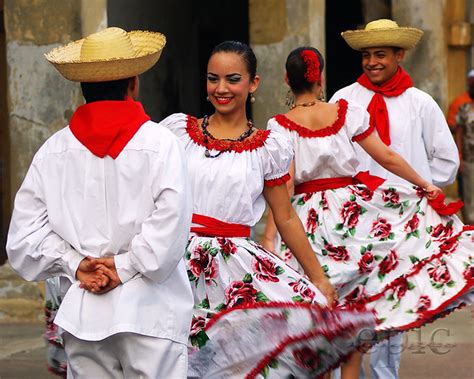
[98, 91]
[241, 49]
[296, 69]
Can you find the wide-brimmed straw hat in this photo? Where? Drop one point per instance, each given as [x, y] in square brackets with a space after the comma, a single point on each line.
[381, 33]
[110, 54]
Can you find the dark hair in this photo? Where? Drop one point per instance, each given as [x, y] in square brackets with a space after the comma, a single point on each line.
[98, 91]
[242, 49]
[296, 69]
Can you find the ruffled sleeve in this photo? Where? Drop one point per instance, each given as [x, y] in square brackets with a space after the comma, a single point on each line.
[177, 123]
[277, 155]
[357, 122]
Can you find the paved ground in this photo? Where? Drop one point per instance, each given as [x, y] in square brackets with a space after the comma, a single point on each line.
[443, 350]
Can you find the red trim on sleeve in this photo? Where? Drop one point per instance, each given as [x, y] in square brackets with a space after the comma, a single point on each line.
[278, 181]
[363, 135]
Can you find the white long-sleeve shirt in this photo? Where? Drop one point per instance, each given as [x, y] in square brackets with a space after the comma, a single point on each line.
[136, 208]
[418, 132]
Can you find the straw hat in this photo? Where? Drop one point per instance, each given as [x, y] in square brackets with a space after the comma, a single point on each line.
[381, 33]
[110, 54]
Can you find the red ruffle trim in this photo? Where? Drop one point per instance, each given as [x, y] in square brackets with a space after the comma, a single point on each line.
[290, 340]
[363, 135]
[324, 132]
[253, 142]
[415, 270]
[277, 181]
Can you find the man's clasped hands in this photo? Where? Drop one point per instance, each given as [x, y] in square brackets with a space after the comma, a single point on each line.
[98, 275]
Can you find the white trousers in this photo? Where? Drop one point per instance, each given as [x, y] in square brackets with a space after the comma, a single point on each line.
[125, 355]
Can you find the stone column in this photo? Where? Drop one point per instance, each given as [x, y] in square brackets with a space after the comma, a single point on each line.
[276, 28]
[427, 62]
[40, 100]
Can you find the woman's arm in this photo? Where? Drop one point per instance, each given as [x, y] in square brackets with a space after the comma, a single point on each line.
[394, 163]
[268, 239]
[291, 229]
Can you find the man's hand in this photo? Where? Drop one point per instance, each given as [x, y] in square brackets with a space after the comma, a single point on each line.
[98, 275]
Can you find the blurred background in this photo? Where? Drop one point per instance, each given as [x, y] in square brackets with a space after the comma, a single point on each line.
[35, 101]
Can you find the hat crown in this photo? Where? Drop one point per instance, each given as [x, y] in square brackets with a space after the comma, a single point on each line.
[110, 43]
[383, 23]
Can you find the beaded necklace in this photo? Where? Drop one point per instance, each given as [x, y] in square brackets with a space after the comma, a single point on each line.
[208, 135]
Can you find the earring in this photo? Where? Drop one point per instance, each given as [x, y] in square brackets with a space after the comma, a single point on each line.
[207, 98]
[290, 99]
[252, 98]
[321, 97]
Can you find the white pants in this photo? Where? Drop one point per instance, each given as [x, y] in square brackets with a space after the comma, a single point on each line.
[125, 355]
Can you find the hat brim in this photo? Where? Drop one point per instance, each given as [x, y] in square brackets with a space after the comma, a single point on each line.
[403, 37]
[148, 47]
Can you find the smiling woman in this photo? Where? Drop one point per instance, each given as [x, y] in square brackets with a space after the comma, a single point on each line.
[243, 292]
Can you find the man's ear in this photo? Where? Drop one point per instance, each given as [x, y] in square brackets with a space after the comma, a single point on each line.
[133, 88]
[400, 54]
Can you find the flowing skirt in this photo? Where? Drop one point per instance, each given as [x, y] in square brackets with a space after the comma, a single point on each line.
[254, 316]
[389, 251]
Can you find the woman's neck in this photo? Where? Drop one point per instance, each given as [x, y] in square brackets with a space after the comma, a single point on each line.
[228, 125]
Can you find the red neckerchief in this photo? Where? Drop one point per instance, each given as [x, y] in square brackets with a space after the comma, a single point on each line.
[105, 127]
[377, 108]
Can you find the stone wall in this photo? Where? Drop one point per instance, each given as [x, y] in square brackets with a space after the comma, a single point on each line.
[277, 27]
[40, 102]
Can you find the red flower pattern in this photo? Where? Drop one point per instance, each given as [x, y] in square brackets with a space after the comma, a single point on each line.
[203, 262]
[441, 232]
[303, 290]
[363, 192]
[240, 293]
[468, 273]
[366, 263]
[227, 246]
[390, 196]
[311, 221]
[265, 269]
[197, 324]
[439, 273]
[424, 303]
[338, 253]
[380, 228]
[389, 263]
[350, 213]
[412, 225]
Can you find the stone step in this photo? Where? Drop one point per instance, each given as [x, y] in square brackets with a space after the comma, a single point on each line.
[20, 301]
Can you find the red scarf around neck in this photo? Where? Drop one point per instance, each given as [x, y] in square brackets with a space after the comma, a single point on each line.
[105, 127]
[377, 108]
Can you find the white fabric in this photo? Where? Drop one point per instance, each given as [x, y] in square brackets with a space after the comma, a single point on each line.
[418, 132]
[136, 208]
[235, 179]
[335, 153]
[125, 355]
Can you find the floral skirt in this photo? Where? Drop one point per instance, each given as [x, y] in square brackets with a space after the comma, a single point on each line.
[254, 316]
[56, 355]
[389, 251]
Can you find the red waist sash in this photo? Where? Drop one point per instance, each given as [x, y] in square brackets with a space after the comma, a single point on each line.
[212, 227]
[371, 181]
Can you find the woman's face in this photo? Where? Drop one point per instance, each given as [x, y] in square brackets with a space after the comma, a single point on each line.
[228, 82]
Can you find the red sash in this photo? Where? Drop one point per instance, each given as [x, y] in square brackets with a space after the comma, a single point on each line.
[377, 108]
[212, 227]
[371, 181]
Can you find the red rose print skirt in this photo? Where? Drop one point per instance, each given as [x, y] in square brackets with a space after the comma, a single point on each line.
[254, 316]
[389, 251]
